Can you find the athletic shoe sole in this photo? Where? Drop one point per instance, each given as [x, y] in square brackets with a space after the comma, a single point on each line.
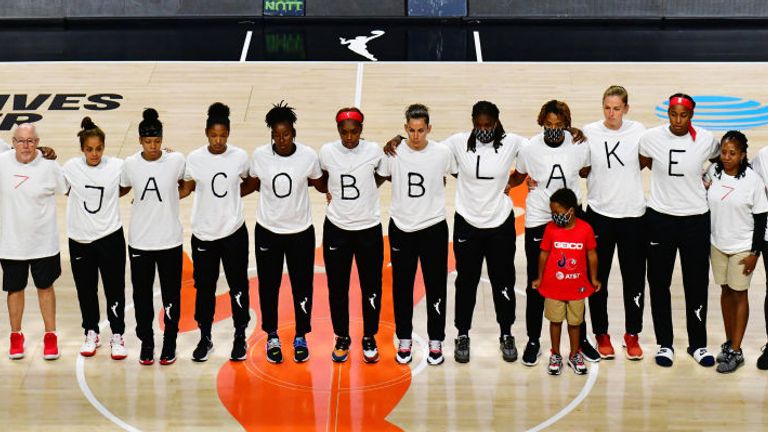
[607, 356]
[166, 362]
[535, 362]
[374, 359]
[16, 356]
[274, 361]
[295, 360]
[630, 357]
[435, 362]
[339, 359]
[553, 373]
[119, 357]
[88, 353]
[575, 370]
[52, 356]
[403, 361]
[738, 366]
[204, 358]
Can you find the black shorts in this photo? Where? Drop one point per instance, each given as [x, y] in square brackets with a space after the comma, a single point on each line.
[45, 271]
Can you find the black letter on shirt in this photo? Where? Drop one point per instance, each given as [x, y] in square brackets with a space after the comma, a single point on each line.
[153, 188]
[608, 154]
[345, 185]
[477, 171]
[416, 185]
[561, 176]
[274, 185]
[101, 199]
[672, 162]
[213, 185]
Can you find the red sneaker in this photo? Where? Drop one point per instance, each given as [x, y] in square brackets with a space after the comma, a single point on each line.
[50, 346]
[604, 346]
[17, 346]
[632, 347]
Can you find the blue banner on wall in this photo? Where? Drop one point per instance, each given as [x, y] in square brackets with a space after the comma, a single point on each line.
[437, 8]
[284, 8]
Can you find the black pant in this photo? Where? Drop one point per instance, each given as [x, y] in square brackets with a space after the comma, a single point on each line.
[106, 256]
[299, 252]
[430, 247]
[168, 263]
[232, 253]
[628, 235]
[534, 302]
[765, 302]
[367, 246]
[690, 235]
[497, 246]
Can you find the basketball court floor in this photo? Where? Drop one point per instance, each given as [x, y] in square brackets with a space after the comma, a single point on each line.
[97, 393]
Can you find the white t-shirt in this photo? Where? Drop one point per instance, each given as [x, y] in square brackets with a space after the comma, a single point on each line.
[284, 196]
[28, 225]
[418, 184]
[553, 168]
[218, 208]
[732, 202]
[354, 196]
[155, 223]
[93, 207]
[760, 166]
[614, 184]
[483, 175]
[678, 163]
[4, 146]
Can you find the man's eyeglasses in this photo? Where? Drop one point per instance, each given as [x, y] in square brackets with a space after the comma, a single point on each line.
[28, 141]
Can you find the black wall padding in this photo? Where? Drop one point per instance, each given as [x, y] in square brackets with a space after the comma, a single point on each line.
[356, 8]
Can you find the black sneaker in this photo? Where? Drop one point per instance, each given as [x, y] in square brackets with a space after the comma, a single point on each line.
[147, 354]
[532, 352]
[722, 356]
[239, 348]
[341, 349]
[404, 351]
[435, 353]
[589, 352]
[168, 353]
[370, 350]
[733, 360]
[461, 349]
[508, 348]
[762, 361]
[274, 351]
[300, 349]
[204, 347]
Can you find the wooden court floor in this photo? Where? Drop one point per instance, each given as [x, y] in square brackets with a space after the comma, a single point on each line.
[487, 394]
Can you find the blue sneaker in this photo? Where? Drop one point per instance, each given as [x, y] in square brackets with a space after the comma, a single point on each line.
[300, 350]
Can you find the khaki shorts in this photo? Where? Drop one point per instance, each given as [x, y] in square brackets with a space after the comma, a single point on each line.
[727, 270]
[558, 311]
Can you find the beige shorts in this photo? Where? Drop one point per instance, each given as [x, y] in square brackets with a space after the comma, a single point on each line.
[727, 270]
[558, 311]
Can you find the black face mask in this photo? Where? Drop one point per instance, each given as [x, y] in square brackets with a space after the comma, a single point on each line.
[562, 220]
[485, 136]
[553, 135]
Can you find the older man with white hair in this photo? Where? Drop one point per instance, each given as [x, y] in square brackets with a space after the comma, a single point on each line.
[29, 239]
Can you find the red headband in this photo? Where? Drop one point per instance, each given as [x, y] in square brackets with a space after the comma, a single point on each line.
[679, 100]
[349, 115]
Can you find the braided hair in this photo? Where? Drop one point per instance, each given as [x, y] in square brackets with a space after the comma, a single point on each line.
[281, 113]
[89, 129]
[491, 110]
[741, 142]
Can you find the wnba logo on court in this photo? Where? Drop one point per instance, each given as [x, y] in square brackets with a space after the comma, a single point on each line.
[724, 112]
[23, 106]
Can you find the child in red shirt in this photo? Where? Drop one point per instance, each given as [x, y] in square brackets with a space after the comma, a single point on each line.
[567, 248]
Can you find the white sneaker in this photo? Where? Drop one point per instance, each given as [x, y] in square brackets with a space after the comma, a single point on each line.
[118, 347]
[404, 355]
[92, 341]
[435, 353]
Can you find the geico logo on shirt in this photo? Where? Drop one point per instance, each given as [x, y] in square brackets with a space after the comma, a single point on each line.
[567, 245]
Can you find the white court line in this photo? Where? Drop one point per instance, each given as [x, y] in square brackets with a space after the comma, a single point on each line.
[478, 48]
[246, 45]
[593, 370]
[83, 383]
[359, 86]
[424, 354]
